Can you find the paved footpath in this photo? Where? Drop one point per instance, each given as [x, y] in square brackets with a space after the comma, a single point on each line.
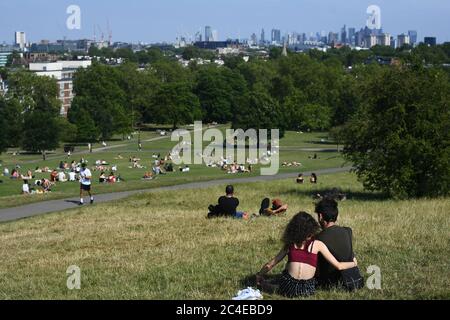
[34, 209]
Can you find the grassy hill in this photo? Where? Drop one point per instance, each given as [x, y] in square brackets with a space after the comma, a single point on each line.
[160, 246]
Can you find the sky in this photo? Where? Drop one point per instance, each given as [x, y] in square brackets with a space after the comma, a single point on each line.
[152, 21]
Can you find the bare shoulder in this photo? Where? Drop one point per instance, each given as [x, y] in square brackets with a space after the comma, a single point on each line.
[318, 246]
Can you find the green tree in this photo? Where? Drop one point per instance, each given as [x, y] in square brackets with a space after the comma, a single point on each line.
[35, 98]
[399, 139]
[218, 89]
[99, 91]
[11, 113]
[41, 133]
[3, 125]
[175, 104]
[86, 131]
[260, 111]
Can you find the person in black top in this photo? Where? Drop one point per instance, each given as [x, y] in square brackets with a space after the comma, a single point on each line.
[227, 206]
[337, 239]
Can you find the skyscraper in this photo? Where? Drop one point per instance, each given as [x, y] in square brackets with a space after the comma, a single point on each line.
[214, 35]
[344, 35]
[384, 39]
[430, 41]
[276, 36]
[263, 37]
[351, 36]
[332, 38]
[208, 34]
[370, 41]
[20, 39]
[412, 36]
[253, 39]
[402, 39]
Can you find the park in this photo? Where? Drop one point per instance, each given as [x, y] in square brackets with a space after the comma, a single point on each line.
[371, 134]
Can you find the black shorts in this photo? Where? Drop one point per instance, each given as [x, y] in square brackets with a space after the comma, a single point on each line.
[85, 187]
[293, 288]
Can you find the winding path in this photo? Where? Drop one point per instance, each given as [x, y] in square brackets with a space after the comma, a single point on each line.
[30, 210]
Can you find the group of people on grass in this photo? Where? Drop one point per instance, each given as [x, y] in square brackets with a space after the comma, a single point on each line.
[319, 252]
[312, 179]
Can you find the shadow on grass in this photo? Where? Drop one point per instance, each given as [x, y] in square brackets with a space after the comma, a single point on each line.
[272, 280]
[350, 195]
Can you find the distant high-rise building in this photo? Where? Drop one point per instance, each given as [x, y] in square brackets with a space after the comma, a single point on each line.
[208, 34]
[253, 39]
[20, 39]
[370, 41]
[402, 40]
[344, 35]
[384, 39]
[392, 42]
[412, 37]
[263, 37]
[351, 36]
[430, 41]
[333, 38]
[214, 35]
[276, 36]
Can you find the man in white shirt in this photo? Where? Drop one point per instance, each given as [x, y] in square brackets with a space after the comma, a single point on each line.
[85, 183]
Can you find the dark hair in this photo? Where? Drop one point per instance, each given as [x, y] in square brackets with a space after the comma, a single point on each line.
[83, 165]
[300, 228]
[328, 208]
[229, 189]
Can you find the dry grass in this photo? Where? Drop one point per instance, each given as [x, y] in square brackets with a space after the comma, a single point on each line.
[160, 246]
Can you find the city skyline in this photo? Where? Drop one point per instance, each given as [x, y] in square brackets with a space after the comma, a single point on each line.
[163, 21]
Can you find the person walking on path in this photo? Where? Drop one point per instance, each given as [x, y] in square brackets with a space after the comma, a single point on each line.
[85, 183]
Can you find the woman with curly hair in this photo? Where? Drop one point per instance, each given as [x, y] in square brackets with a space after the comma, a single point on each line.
[299, 245]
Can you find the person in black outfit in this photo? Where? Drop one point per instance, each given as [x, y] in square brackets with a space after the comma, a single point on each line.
[337, 239]
[227, 206]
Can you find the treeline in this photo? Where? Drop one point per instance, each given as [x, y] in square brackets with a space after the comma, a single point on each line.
[290, 93]
[392, 120]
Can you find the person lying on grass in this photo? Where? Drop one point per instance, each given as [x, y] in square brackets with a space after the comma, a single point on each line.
[302, 250]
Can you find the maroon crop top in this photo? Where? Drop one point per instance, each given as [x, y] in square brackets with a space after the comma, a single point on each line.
[303, 255]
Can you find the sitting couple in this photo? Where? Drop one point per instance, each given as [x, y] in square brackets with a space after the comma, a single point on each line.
[227, 207]
[313, 257]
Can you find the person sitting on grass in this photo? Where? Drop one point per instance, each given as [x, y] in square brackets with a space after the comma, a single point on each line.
[337, 239]
[25, 187]
[277, 207]
[72, 175]
[313, 178]
[102, 178]
[62, 176]
[302, 250]
[53, 176]
[300, 178]
[148, 176]
[14, 174]
[227, 206]
[112, 178]
[45, 184]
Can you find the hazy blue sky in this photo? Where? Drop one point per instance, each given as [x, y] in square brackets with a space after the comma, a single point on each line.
[162, 20]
